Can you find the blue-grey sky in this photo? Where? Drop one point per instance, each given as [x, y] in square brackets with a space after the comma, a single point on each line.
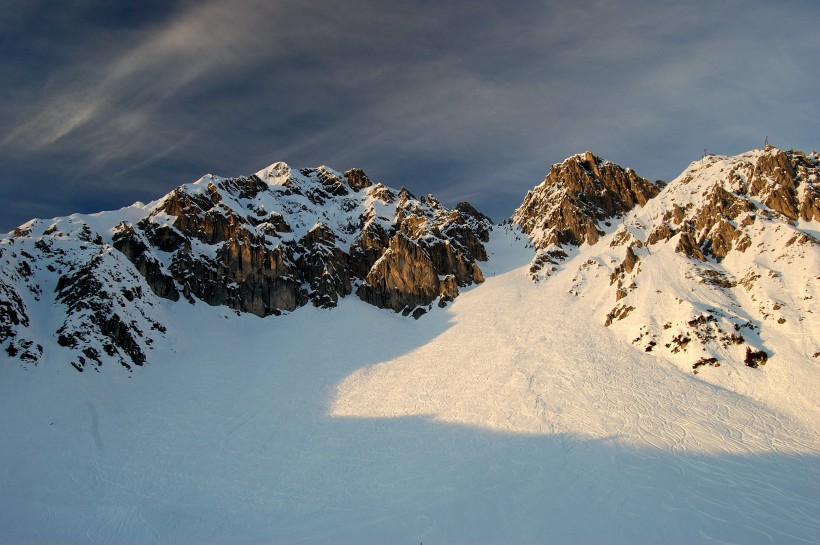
[106, 102]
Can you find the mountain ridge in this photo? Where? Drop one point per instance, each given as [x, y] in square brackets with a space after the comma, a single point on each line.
[266, 244]
[279, 239]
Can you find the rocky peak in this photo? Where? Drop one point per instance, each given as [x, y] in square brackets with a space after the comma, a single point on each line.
[786, 182]
[357, 179]
[274, 233]
[574, 204]
[706, 269]
[576, 196]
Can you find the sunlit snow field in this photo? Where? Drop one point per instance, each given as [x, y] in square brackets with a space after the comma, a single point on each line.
[504, 418]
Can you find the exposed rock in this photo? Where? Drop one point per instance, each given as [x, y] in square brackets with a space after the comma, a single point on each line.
[623, 237]
[661, 233]
[324, 266]
[676, 214]
[280, 239]
[721, 238]
[783, 181]
[413, 273]
[265, 244]
[630, 260]
[787, 182]
[626, 266]
[810, 203]
[576, 196]
[479, 223]
[618, 313]
[545, 262]
[403, 277]
[279, 250]
[774, 180]
[17, 268]
[713, 362]
[12, 311]
[687, 245]
[721, 207]
[132, 245]
[755, 358]
[357, 179]
[715, 277]
[104, 311]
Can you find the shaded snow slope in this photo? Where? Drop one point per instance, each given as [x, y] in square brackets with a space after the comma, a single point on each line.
[504, 418]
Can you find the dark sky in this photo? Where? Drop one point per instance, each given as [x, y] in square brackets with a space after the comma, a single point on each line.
[106, 102]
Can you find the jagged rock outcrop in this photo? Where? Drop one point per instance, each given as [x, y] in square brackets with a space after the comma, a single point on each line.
[785, 181]
[105, 313]
[279, 239]
[265, 244]
[576, 197]
[13, 318]
[403, 277]
[695, 269]
[718, 199]
[135, 247]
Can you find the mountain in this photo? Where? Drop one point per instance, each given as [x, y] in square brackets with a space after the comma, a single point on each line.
[718, 267]
[267, 244]
[577, 195]
[622, 361]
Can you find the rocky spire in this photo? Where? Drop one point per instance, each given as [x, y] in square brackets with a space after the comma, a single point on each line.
[576, 197]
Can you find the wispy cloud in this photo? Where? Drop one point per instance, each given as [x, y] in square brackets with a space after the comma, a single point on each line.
[459, 98]
[117, 105]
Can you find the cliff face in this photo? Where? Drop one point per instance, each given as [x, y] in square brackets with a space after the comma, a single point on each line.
[280, 239]
[576, 197]
[266, 244]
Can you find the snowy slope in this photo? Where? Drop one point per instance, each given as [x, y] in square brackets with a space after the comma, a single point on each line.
[517, 354]
[720, 276]
[719, 272]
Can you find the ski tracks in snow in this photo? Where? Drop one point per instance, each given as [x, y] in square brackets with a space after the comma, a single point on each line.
[500, 367]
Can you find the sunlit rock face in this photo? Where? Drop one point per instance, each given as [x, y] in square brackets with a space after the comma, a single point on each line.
[280, 239]
[576, 197]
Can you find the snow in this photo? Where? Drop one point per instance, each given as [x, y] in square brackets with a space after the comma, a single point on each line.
[503, 418]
